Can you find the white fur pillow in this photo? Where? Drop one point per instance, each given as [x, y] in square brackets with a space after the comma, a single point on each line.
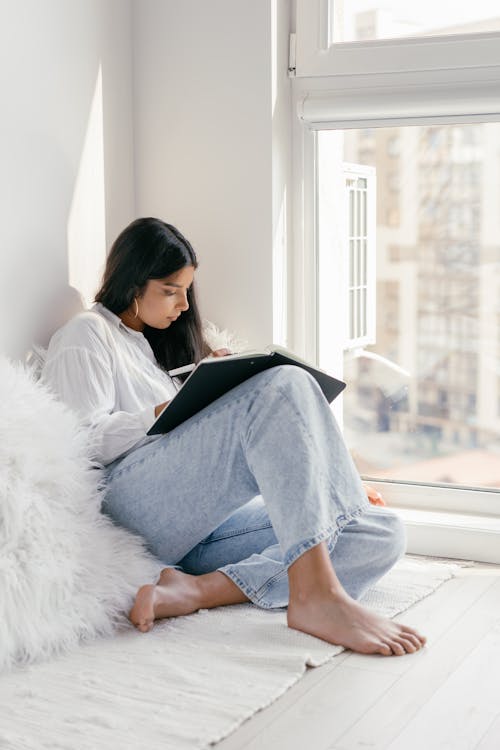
[218, 338]
[66, 572]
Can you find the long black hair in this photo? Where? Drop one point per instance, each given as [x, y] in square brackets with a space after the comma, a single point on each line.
[146, 249]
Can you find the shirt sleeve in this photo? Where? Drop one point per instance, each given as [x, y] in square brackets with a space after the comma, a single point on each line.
[83, 380]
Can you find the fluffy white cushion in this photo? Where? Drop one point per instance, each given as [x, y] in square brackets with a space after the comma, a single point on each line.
[220, 338]
[66, 572]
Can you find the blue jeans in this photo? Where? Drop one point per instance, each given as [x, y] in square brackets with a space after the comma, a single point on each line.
[249, 484]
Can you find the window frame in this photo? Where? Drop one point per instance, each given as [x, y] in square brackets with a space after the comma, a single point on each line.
[317, 55]
[378, 84]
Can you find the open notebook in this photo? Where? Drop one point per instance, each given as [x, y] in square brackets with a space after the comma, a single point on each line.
[212, 377]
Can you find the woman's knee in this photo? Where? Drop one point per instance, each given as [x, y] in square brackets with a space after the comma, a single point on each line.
[290, 379]
[291, 373]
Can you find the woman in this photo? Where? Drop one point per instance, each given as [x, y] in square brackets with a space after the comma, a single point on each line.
[255, 498]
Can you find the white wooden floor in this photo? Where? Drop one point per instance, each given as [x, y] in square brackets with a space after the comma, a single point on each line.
[446, 696]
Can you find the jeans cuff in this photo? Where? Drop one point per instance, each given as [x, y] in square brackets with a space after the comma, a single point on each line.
[331, 531]
[251, 593]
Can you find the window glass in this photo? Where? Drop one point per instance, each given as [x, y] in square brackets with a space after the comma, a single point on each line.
[423, 402]
[361, 20]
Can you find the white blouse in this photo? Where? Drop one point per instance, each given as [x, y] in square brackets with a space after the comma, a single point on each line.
[108, 374]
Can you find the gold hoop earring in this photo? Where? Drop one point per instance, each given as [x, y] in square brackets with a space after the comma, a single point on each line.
[136, 308]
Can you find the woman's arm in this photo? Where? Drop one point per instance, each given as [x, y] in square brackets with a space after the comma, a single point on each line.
[214, 353]
[83, 380]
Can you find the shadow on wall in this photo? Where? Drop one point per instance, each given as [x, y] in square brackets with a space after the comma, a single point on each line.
[54, 311]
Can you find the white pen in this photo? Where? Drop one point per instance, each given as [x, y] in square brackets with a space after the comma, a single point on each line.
[182, 370]
[187, 368]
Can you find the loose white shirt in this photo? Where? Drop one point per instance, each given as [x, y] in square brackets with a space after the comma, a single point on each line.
[107, 373]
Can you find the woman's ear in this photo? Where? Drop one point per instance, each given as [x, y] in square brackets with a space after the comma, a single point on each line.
[139, 291]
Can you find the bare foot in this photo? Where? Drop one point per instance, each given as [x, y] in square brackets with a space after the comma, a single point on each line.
[339, 619]
[176, 593]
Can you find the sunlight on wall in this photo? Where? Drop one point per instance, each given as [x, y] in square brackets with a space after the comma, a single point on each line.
[280, 277]
[86, 222]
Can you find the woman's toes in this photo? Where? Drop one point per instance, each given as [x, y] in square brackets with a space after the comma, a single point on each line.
[397, 648]
[408, 646]
[413, 639]
[142, 625]
[406, 630]
[142, 613]
[384, 649]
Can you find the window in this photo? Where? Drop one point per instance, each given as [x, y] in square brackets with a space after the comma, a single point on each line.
[417, 402]
[362, 20]
[402, 104]
[394, 36]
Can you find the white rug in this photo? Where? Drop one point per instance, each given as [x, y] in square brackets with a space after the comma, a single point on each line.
[188, 683]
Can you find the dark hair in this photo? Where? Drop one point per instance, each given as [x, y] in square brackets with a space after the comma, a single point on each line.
[146, 249]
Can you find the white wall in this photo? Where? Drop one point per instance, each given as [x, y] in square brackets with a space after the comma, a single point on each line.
[66, 177]
[211, 144]
[125, 108]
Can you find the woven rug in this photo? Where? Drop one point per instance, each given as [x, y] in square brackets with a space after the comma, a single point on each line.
[188, 683]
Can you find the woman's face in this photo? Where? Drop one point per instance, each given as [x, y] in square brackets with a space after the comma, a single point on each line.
[162, 301]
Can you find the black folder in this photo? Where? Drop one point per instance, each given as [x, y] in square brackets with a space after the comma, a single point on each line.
[215, 376]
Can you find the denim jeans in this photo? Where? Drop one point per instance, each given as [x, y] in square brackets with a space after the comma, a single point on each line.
[249, 484]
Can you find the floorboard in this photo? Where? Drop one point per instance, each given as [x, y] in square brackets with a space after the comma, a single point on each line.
[444, 696]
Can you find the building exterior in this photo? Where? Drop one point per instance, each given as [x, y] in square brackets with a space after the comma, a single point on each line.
[438, 284]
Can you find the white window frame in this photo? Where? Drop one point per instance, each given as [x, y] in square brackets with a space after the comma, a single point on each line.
[317, 54]
[441, 80]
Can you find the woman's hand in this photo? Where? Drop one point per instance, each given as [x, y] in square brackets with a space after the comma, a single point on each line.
[160, 407]
[220, 353]
[373, 496]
